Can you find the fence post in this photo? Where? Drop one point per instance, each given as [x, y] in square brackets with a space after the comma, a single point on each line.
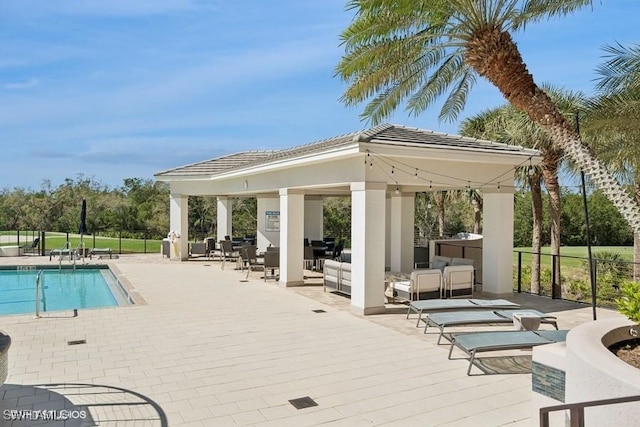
[594, 286]
[519, 272]
[120, 242]
[554, 286]
[145, 241]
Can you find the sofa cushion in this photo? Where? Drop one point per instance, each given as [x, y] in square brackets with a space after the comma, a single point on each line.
[439, 264]
[462, 261]
[404, 286]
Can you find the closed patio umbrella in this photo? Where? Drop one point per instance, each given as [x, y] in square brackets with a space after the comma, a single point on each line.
[83, 218]
[83, 224]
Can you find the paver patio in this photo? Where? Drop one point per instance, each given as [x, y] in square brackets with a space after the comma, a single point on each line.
[210, 349]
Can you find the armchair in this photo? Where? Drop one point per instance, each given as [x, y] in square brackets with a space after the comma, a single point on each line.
[458, 278]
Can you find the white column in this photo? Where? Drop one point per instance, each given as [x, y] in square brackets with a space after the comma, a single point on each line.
[313, 218]
[179, 224]
[291, 237]
[367, 246]
[401, 222]
[267, 205]
[224, 216]
[497, 242]
[387, 234]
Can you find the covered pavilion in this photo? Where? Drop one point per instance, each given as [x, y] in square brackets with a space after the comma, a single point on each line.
[381, 168]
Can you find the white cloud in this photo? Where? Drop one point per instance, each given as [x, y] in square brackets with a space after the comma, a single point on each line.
[22, 85]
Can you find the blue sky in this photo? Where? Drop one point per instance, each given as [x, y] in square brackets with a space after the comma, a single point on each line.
[113, 89]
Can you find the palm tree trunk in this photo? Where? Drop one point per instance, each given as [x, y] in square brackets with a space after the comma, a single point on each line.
[477, 217]
[550, 165]
[493, 54]
[536, 234]
[439, 199]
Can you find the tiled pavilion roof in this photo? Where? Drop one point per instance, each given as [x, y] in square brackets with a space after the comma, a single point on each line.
[386, 134]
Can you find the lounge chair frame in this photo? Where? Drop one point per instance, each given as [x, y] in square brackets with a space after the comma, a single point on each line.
[462, 318]
[477, 342]
[428, 306]
[100, 252]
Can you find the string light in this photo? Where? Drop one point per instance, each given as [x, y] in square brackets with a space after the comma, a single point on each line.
[397, 189]
[412, 170]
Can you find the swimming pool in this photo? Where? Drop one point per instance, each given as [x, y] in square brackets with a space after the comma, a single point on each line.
[61, 289]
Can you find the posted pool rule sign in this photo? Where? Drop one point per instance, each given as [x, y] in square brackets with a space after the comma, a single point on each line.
[272, 222]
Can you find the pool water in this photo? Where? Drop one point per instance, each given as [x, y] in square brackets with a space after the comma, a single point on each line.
[64, 289]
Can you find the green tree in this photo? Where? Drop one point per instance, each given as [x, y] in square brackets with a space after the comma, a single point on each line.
[572, 220]
[12, 209]
[425, 218]
[337, 218]
[202, 216]
[607, 226]
[145, 201]
[612, 124]
[508, 125]
[245, 216]
[417, 50]
[522, 219]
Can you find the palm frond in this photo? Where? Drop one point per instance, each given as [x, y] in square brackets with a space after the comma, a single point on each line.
[621, 70]
[455, 102]
[538, 10]
[437, 83]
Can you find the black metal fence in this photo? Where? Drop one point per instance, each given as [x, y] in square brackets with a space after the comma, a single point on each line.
[568, 277]
[119, 241]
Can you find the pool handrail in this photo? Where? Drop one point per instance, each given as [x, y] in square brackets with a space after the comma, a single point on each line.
[38, 284]
[66, 246]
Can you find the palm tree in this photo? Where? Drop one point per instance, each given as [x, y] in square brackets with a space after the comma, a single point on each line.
[505, 124]
[476, 200]
[416, 50]
[612, 125]
[508, 125]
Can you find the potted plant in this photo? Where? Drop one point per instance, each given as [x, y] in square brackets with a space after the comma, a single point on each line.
[629, 305]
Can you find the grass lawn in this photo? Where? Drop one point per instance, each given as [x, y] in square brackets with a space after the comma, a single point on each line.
[572, 256]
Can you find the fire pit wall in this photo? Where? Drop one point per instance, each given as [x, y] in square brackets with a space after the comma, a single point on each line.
[584, 370]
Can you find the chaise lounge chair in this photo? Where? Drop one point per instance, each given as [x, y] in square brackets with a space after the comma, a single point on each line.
[31, 248]
[460, 318]
[428, 306]
[477, 342]
[100, 252]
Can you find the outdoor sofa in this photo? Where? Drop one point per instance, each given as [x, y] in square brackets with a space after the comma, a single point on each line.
[337, 275]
